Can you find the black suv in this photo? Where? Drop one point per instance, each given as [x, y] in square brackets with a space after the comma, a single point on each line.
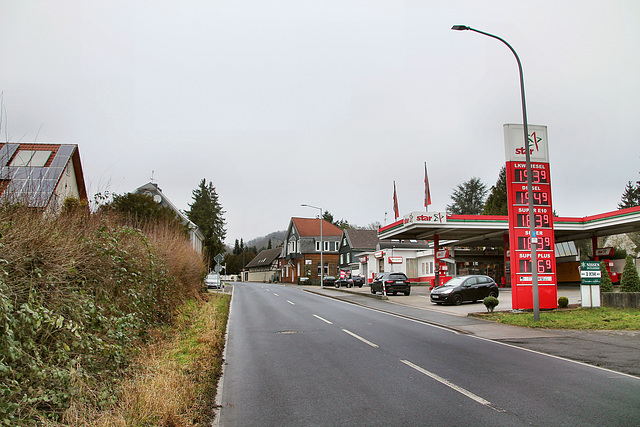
[465, 288]
[393, 283]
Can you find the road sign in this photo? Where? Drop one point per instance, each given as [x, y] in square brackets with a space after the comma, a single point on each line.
[218, 258]
[590, 272]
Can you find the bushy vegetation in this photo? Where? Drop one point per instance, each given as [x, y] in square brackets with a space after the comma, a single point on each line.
[630, 281]
[80, 294]
[563, 302]
[491, 303]
[605, 280]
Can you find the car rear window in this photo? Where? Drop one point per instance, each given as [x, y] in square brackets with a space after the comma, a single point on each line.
[398, 277]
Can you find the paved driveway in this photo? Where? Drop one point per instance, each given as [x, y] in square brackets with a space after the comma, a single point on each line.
[420, 298]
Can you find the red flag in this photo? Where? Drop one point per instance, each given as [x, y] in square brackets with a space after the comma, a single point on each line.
[427, 193]
[395, 201]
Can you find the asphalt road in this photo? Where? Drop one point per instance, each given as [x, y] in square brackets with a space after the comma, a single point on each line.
[295, 359]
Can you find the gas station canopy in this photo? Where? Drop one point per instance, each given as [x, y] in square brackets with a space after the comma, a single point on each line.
[489, 230]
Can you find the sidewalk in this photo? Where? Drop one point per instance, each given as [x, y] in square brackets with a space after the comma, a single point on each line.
[615, 350]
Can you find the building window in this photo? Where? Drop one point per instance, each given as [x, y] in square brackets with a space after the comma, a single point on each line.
[326, 268]
[341, 258]
[326, 245]
[349, 255]
[317, 246]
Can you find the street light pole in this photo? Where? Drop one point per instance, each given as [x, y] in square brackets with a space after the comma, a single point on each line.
[321, 246]
[532, 218]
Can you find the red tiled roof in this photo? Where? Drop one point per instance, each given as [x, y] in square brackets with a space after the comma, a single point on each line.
[308, 227]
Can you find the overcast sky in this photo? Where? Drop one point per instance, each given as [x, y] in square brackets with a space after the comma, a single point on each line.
[285, 102]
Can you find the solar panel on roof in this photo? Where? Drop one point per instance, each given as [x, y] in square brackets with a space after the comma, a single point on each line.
[20, 173]
[54, 173]
[60, 160]
[6, 153]
[38, 173]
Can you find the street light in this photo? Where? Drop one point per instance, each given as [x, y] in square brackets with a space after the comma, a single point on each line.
[532, 219]
[321, 246]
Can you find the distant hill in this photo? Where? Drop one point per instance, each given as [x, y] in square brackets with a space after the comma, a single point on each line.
[277, 238]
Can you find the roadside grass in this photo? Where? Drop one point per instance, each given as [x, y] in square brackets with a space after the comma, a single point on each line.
[176, 382]
[600, 318]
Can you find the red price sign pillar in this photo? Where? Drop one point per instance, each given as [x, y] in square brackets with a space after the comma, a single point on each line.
[520, 237]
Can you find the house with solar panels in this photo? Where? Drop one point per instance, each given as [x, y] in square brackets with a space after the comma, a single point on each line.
[41, 176]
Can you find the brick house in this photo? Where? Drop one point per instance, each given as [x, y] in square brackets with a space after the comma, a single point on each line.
[300, 256]
[41, 176]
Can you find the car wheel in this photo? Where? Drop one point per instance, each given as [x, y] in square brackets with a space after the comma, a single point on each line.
[457, 299]
[394, 293]
[372, 291]
[359, 286]
[493, 294]
[407, 293]
[337, 285]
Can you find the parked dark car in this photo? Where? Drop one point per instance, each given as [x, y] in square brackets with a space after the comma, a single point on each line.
[357, 281]
[350, 282]
[393, 282]
[329, 281]
[465, 288]
[347, 283]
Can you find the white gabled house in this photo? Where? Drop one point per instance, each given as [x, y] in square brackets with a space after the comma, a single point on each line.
[151, 189]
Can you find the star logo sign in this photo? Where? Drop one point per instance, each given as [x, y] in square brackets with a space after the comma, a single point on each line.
[534, 139]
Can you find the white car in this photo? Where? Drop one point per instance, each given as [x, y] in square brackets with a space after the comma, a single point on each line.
[212, 281]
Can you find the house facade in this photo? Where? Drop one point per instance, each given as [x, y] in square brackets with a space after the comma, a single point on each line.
[195, 234]
[41, 175]
[300, 254]
[353, 244]
[264, 267]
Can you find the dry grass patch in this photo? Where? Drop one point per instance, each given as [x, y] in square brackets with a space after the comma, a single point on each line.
[176, 384]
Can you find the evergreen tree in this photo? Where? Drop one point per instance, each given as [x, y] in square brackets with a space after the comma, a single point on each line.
[468, 198]
[630, 196]
[327, 216]
[269, 245]
[236, 248]
[630, 281]
[497, 201]
[206, 212]
[605, 279]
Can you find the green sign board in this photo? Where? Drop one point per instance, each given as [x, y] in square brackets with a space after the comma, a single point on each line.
[590, 272]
